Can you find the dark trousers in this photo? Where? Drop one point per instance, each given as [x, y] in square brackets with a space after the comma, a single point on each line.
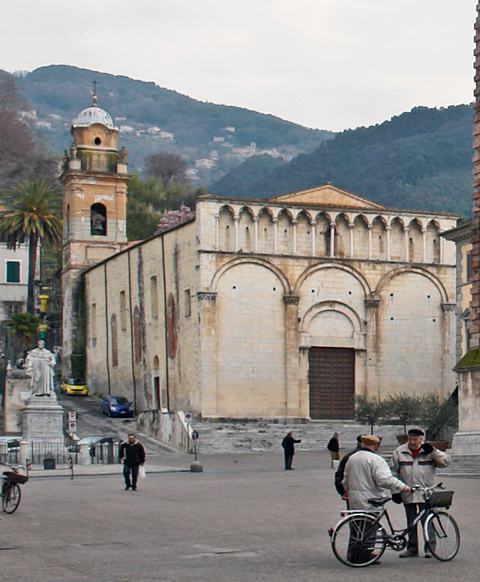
[288, 461]
[133, 471]
[411, 511]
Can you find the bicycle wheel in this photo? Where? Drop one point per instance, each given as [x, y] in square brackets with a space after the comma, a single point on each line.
[442, 535]
[11, 497]
[358, 540]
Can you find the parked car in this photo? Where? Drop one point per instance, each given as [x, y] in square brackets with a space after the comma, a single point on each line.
[117, 406]
[74, 387]
[12, 442]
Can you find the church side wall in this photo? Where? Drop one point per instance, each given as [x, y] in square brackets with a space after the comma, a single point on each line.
[146, 330]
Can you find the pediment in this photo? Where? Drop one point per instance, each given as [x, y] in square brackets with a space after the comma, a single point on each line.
[327, 195]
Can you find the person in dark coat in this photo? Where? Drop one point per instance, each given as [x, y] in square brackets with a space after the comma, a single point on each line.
[289, 450]
[132, 454]
[340, 472]
[334, 448]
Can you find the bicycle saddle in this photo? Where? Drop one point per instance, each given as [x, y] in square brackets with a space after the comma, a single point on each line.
[378, 501]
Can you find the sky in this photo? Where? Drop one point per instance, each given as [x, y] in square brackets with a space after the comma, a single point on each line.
[325, 64]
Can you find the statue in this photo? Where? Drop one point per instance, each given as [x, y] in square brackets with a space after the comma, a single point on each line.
[39, 367]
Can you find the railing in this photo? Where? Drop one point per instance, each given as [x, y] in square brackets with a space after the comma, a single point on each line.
[9, 456]
[39, 452]
[105, 453]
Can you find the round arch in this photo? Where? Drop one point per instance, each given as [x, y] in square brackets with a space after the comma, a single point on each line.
[418, 271]
[347, 269]
[250, 260]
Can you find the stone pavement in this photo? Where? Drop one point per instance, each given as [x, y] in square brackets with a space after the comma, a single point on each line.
[244, 519]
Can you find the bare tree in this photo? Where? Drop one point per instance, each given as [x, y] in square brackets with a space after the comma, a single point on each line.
[166, 166]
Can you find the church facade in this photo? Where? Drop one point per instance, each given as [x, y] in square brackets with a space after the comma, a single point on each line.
[282, 308]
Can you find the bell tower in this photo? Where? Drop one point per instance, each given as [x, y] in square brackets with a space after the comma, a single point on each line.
[94, 179]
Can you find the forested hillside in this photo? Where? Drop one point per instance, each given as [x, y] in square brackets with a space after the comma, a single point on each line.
[154, 119]
[421, 160]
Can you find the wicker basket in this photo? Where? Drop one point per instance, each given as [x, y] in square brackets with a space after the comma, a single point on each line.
[15, 477]
[441, 498]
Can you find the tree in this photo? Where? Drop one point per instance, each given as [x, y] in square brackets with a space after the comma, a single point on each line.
[166, 166]
[370, 411]
[24, 326]
[404, 409]
[31, 215]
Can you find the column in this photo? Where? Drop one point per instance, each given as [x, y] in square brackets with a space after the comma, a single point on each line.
[236, 220]
[275, 234]
[206, 397]
[217, 242]
[255, 236]
[424, 241]
[292, 388]
[372, 341]
[314, 224]
[352, 247]
[388, 228]
[332, 239]
[406, 230]
[369, 241]
[294, 232]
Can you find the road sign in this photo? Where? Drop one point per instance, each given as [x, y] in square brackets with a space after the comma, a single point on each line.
[72, 416]
[188, 417]
[72, 427]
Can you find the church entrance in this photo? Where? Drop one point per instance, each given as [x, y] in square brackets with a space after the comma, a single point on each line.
[331, 378]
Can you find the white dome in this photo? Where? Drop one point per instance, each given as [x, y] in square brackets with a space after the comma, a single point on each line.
[92, 115]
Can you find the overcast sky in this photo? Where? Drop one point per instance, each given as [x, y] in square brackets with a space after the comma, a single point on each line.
[327, 64]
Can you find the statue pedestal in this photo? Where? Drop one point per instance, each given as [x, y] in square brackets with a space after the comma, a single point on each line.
[43, 420]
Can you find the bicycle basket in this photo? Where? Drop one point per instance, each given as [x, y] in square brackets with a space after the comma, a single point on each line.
[441, 498]
[15, 477]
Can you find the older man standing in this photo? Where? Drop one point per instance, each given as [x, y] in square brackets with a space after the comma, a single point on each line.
[415, 463]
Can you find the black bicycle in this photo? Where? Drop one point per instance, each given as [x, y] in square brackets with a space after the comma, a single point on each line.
[11, 492]
[362, 536]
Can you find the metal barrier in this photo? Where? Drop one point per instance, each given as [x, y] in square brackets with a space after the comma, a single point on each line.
[8, 455]
[39, 452]
[105, 453]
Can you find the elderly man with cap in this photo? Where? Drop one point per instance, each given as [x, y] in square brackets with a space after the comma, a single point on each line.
[415, 463]
[368, 475]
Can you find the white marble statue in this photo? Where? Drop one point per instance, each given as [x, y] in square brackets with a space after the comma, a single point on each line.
[39, 366]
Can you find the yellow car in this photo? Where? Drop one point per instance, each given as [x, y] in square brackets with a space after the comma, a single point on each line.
[74, 387]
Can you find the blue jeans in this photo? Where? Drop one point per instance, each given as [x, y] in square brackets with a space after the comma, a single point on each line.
[133, 471]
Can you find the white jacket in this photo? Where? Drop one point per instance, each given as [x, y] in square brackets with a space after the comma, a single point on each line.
[368, 475]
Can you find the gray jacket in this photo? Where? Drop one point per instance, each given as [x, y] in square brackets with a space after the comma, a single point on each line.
[418, 471]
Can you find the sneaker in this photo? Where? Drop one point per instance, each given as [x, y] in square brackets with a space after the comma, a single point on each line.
[427, 555]
[408, 554]
[127, 487]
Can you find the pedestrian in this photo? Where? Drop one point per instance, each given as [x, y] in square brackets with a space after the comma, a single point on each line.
[334, 448]
[415, 463]
[132, 454]
[288, 445]
[368, 475]
[339, 473]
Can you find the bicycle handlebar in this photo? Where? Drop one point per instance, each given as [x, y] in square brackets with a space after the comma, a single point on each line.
[427, 489]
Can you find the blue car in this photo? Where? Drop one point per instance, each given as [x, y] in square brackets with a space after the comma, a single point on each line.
[117, 406]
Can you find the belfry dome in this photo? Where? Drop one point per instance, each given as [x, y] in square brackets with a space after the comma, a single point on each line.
[92, 115]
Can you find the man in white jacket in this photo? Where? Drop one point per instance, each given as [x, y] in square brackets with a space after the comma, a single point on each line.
[368, 475]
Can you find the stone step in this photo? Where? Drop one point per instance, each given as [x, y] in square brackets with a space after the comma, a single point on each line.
[264, 435]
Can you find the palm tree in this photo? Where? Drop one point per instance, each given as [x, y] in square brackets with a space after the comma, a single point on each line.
[31, 214]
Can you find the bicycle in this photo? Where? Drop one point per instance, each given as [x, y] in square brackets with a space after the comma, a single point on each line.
[11, 492]
[361, 537]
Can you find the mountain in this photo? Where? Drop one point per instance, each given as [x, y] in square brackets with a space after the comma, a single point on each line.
[420, 160]
[212, 138]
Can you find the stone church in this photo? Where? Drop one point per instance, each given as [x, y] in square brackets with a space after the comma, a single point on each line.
[284, 308]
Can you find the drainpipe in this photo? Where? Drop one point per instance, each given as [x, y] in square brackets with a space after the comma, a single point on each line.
[107, 335]
[167, 379]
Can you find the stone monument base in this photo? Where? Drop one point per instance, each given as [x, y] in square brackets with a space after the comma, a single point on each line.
[466, 443]
[43, 420]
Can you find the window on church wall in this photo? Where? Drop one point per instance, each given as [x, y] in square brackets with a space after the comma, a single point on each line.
[342, 238]
[304, 235]
[265, 232]
[361, 237]
[246, 231]
[114, 340]
[98, 219]
[93, 324]
[397, 241]
[379, 240]
[172, 331]
[137, 335]
[323, 224]
[415, 242]
[284, 234]
[226, 230]
[187, 302]
[154, 297]
[123, 311]
[469, 271]
[67, 223]
[432, 244]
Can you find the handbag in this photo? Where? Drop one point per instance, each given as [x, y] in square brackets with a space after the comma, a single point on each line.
[142, 472]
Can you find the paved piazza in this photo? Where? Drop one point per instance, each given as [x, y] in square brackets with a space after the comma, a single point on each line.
[243, 519]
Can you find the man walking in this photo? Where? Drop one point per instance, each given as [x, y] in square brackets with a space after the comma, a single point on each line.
[334, 448]
[415, 463]
[132, 454]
